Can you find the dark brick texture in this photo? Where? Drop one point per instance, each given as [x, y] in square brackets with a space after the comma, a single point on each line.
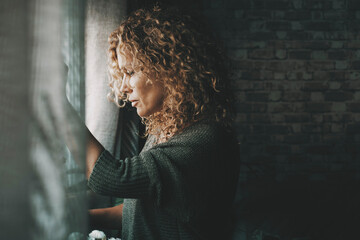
[295, 69]
[297, 66]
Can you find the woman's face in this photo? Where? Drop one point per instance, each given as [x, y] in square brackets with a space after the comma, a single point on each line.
[147, 96]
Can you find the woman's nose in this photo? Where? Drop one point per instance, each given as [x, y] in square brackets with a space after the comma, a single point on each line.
[125, 84]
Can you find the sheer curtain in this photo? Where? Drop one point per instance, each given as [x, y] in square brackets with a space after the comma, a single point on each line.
[15, 166]
[116, 129]
[45, 44]
[58, 209]
[35, 200]
[103, 118]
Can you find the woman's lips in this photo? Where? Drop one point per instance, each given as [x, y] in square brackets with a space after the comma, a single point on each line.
[134, 103]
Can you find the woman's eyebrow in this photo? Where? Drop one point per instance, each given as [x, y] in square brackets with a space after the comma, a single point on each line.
[127, 66]
[123, 69]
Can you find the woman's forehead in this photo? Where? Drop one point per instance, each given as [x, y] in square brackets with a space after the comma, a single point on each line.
[124, 60]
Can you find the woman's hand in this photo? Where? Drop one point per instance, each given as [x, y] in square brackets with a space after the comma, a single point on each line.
[106, 218]
[75, 144]
[73, 141]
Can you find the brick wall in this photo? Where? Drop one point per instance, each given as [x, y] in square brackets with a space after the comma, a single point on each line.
[296, 76]
[296, 71]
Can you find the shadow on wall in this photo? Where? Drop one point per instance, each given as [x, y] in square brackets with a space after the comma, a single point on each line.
[296, 72]
[298, 208]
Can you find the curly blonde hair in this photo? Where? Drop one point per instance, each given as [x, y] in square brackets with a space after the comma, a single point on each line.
[171, 47]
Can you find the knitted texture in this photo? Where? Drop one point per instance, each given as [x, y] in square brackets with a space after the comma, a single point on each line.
[180, 189]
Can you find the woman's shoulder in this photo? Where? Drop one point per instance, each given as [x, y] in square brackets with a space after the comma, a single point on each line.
[209, 132]
[203, 135]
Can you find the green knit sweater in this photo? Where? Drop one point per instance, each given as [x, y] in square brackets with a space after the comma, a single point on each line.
[180, 189]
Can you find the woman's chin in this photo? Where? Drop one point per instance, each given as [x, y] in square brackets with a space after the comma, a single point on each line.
[144, 114]
[141, 113]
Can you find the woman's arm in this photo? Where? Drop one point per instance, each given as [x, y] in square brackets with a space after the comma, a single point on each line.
[114, 177]
[106, 218]
[93, 151]
[93, 146]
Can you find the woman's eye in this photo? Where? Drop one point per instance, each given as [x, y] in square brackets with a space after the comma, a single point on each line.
[130, 73]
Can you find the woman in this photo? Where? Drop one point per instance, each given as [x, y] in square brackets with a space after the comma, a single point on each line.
[182, 184]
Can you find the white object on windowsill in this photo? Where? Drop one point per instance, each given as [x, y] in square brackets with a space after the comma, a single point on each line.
[97, 235]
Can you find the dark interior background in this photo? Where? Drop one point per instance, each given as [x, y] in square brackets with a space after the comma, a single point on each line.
[295, 71]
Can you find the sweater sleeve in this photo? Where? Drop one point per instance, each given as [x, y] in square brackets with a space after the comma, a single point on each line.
[164, 172]
[160, 172]
[178, 176]
[126, 178]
